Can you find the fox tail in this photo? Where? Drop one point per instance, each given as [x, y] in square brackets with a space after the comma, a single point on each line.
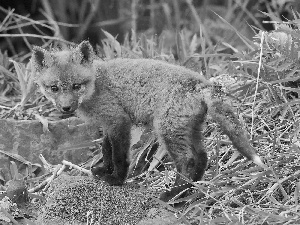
[222, 113]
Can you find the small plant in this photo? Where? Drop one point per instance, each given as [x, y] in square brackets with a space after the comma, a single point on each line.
[260, 75]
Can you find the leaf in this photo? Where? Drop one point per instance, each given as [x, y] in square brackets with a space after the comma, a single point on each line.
[114, 43]
[133, 39]
[193, 45]
[2, 180]
[140, 152]
[180, 47]
[284, 80]
[44, 121]
[108, 51]
[8, 73]
[16, 157]
[30, 86]
[232, 158]
[272, 16]
[161, 152]
[161, 41]
[246, 41]
[4, 59]
[143, 46]
[21, 76]
[25, 76]
[14, 171]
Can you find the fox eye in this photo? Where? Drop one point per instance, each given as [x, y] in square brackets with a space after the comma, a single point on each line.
[54, 88]
[76, 87]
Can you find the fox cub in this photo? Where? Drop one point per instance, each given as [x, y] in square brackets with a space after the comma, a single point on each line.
[118, 93]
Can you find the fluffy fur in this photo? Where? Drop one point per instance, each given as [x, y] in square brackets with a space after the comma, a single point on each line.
[118, 93]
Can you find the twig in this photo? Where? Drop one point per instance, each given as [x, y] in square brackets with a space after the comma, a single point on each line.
[39, 187]
[152, 13]
[176, 14]
[24, 38]
[88, 20]
[35, 179]
[61, 170]
[257, 80]
[64, 162]
[107, 22]
[50, 16]
[194, 12]
[56, 171]
[49, 167]
[134, 15]
[198, 20]
[37, 36]
[57, 168]
[6, 19]
[250, 15]
[8, 73]
[48, 10]
[26, 18]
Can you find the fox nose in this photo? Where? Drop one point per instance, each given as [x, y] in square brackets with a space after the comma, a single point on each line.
[67, 109]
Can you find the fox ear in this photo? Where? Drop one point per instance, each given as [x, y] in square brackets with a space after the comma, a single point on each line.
[38, 58]
[86, 51]
[41, 58]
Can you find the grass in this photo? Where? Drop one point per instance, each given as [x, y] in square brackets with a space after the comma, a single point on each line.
[259, 75]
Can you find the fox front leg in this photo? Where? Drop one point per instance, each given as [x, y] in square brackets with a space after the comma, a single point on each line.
[108, 166]
[116, 156]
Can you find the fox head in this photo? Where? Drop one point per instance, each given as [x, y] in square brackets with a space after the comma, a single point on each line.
[65, 77]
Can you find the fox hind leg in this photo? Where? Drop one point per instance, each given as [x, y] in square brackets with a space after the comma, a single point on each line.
[199, 151]
[184, 145]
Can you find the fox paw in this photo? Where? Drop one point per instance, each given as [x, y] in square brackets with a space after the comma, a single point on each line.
[99, 172]
[112, 180]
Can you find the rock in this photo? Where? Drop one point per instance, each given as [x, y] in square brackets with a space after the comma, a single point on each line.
[26, 138]
[80, 200]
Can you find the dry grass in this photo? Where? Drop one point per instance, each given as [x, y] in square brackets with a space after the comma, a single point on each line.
[264, 91]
